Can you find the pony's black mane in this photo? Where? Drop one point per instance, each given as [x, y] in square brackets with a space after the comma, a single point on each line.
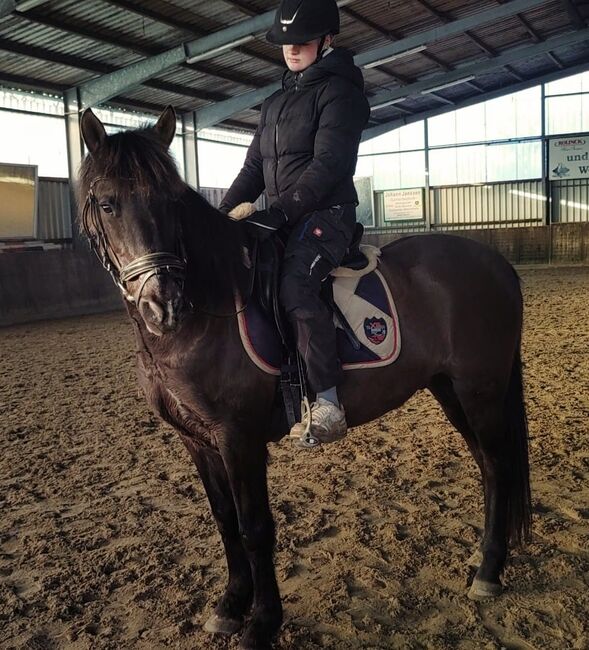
[139, 155]
[139, 161]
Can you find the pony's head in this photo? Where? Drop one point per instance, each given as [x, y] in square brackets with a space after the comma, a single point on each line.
[129, 187]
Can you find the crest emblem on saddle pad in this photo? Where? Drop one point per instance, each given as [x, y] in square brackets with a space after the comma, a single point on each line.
[375, 330]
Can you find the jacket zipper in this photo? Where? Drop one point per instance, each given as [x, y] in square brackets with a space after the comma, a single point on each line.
[296, 87]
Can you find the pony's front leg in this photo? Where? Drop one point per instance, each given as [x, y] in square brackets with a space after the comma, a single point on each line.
[236, 601]
[245, 460]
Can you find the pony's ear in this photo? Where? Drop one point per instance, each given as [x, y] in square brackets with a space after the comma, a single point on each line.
[166, 126]
[93, 131]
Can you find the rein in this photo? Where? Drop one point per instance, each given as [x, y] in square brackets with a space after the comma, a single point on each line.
[148, 265]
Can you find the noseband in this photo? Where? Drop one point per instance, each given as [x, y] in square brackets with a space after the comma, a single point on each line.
[146, 266]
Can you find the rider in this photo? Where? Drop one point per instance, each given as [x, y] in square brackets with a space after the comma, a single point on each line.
[304, 155]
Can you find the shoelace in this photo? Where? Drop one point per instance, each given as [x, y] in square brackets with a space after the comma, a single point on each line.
[320, 410]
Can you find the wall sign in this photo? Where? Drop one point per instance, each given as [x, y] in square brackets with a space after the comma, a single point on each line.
[569, 158]
[403, 205]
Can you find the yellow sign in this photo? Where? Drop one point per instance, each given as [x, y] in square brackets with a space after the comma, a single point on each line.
[18, 201]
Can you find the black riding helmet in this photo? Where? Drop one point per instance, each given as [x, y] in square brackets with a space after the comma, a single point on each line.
[301, 21]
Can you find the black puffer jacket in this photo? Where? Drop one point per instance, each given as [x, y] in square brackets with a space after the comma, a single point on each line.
[305, 148]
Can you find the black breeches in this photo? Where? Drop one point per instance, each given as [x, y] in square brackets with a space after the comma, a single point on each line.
[315, 247]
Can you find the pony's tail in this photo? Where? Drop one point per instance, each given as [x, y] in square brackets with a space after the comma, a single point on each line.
[519, 517]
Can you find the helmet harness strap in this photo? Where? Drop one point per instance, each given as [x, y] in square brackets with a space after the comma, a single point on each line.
[321, 48]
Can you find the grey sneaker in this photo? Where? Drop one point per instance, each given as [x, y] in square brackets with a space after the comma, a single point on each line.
[327, 424]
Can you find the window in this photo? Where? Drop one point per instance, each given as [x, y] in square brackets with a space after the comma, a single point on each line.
[219, 163]
[31, 102]
[405, 138]
[568, 114]
[512, 116]
[34, 140]
[485, 163]
[577, 83]
[394, 171]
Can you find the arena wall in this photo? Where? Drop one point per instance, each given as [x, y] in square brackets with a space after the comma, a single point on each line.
[38, 285]
[556, 244]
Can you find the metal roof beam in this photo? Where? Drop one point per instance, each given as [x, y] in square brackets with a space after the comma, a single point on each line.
[385, 127]
[531, 31]
[535, 35]
[7, 7]
[210, 115]
[445, 18]
[99, 90]
[30, 82]
[392, 36]
[557, 62]
[573, 13]
[441, 99]
[88, 65]
[245, 7]
[188, 28]
[489, 51]
[481, 67]
[125, 44]
[358, 17]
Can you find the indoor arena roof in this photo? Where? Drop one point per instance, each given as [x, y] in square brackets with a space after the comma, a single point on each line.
[420, 57]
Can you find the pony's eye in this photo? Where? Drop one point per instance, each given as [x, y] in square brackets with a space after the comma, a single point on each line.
[106, 207]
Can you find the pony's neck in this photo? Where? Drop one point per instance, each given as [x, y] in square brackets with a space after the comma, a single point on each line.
[214, 250]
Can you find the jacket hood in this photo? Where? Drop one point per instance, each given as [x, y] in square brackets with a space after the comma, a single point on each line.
[339, 62]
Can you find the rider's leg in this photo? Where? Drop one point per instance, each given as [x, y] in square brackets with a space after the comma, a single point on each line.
[330, 395]
[315, 248]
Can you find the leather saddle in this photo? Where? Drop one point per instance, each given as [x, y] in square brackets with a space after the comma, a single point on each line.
[267, 279]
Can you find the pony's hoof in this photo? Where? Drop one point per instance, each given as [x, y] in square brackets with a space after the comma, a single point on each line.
[225, 626]
[248, 646]
[476, 559]
[482, 590]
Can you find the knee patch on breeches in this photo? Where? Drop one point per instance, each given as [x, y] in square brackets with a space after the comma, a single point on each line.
[297, 293]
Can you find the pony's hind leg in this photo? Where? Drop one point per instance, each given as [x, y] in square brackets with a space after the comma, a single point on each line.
[442, 389]
[495, 413]
[236, 601]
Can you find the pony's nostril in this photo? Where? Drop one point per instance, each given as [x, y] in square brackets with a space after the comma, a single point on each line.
[153, 311]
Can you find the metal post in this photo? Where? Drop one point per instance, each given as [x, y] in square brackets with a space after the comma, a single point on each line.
[546, 183]
[428, 202]
[190, 145]
[75, 154]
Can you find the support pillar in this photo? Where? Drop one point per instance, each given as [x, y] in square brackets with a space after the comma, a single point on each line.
[546, 182]
[427, 197]
[190, 145]
[75, 154]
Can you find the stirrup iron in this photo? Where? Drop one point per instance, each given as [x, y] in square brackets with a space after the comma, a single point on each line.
[307, 440]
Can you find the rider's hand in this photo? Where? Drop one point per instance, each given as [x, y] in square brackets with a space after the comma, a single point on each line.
[263, 223]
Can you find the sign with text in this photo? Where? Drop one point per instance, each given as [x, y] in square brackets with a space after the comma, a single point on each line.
[569, 158]
[402, 205]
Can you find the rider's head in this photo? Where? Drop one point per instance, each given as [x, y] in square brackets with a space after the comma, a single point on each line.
[304, 28]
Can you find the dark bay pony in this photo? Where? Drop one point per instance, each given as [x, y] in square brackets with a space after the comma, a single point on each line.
[178, 262]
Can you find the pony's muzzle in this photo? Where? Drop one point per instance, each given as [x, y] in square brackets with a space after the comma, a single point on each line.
[161, 307]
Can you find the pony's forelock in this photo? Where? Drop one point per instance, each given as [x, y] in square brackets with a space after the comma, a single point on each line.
[133, 160]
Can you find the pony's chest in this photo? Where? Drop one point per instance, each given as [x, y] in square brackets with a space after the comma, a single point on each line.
[176, 398]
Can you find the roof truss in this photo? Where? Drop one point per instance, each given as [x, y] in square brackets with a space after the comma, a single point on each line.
[210, 115]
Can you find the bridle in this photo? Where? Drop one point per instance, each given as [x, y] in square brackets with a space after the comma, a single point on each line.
[145, 267]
